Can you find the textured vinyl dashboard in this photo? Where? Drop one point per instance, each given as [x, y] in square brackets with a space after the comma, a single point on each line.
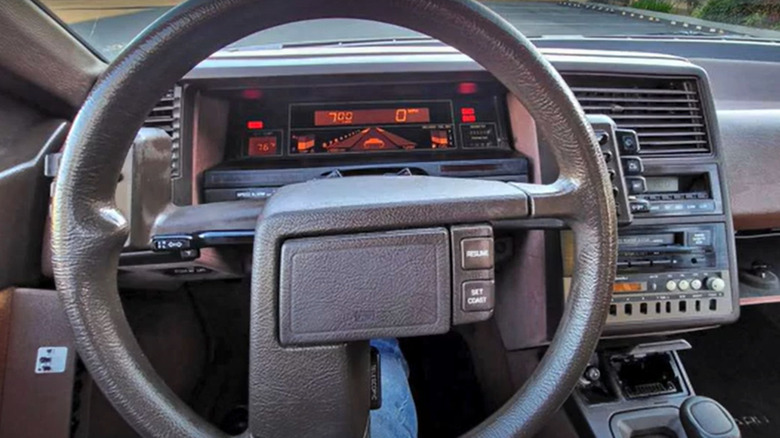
[752, 159]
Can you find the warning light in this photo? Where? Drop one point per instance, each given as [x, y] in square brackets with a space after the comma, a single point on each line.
[252, 94]
[467, 88]
[254, 124]
[468, 115]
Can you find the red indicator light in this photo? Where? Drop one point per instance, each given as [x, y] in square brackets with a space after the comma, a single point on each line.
[468, 119]
[467, 88]
[252, 94]
[255, 124]
[467, 111]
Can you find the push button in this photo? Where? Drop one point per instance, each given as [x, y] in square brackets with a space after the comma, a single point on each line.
[632, 165]
[628, 142]
[640, 206]
[478, 295]
[636, 185]
[477, 253]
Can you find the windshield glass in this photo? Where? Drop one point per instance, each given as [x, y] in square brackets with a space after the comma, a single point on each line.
[109, 25]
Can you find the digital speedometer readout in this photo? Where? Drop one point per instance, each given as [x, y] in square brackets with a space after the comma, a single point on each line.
[340, 117]
[371, 126]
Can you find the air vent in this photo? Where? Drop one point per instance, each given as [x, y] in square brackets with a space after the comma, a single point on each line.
[165, 116]
[666, 113]
[162, 116]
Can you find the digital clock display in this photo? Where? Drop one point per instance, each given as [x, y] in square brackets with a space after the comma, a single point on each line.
[378, 116]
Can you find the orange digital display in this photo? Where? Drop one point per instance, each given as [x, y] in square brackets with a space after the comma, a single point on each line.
[262, 145]
[379, 116]
[628, 287]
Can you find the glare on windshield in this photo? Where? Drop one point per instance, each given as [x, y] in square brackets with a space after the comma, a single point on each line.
[109, 25]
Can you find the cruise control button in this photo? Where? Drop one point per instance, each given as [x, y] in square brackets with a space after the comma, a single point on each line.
[478, 295]
[477, 253]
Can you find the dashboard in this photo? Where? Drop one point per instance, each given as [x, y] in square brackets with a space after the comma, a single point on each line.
[245, 125]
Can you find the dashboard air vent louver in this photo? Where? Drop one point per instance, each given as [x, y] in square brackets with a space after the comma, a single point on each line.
[162, 115]
[666, 113]
[165, 115]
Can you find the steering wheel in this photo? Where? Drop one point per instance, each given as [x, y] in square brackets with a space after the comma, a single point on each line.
[320, 390]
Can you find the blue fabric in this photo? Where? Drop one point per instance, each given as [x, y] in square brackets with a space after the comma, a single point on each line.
[397, 418]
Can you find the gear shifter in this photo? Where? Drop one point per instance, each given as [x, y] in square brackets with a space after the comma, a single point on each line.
[703, 417]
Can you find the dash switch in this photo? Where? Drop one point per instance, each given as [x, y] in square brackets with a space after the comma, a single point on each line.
[477, 253]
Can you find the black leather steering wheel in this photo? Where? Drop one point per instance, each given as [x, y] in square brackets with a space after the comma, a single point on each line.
[302, 391]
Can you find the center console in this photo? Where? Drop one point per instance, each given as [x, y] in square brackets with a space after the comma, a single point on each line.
[676, 262]
[643, 391]
[676, 265]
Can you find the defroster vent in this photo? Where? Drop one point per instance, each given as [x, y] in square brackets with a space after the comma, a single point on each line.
[666, 113]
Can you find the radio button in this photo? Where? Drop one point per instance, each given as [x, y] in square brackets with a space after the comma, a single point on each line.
[695, 284]
[671, 285]
[640, 206]
[683, 285]
[716, 284]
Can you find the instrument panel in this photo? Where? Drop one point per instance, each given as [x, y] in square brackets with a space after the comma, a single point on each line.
[440, 118]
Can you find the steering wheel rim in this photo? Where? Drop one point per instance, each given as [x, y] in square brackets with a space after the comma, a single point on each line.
[88, 232]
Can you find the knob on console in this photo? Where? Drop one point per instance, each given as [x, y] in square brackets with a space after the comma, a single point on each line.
[716, 283]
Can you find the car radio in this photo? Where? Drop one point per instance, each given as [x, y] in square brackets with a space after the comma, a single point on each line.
[670, 190]
[672, 272]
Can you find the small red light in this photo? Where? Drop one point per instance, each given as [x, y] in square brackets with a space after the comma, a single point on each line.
[467, 88]
[468, 119]
[467, 111]
[252, 94]
[255, 124]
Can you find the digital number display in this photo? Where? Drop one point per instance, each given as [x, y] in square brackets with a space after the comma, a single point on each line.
[627, 287]
[262, 146]
[339, 128]
[379, 116]
[263, 143]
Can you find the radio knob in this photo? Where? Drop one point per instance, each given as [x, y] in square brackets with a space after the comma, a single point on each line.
[716, 283]
[695, 284]
[671, 285]
[683, 284]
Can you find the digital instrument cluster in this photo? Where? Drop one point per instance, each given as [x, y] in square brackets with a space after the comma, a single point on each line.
[396, 118]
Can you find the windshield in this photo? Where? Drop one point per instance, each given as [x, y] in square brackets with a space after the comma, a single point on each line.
[109, 25]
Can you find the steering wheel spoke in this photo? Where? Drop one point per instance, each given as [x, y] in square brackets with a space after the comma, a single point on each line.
[560, 200]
